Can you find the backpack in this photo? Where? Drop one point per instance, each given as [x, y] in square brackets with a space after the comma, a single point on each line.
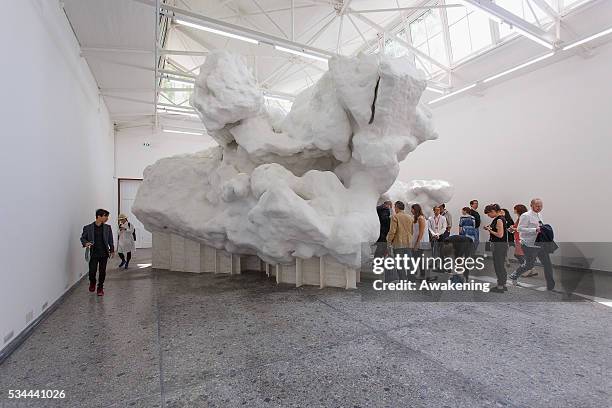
[470, 232]
[456, 279]
[468, 229]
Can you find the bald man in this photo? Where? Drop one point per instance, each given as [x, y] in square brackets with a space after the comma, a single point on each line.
[529, 227]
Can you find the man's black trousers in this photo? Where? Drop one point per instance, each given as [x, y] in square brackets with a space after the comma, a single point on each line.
[95, 263]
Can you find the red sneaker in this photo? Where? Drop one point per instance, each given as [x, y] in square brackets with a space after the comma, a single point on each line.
[92, 287]
[100, 292]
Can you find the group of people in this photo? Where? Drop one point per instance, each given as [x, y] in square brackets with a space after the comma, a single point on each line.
[97, 238]
[409, 234]
[412, 233]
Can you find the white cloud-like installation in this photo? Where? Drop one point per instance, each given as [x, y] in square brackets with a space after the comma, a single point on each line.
[427, 193]
[305, 185]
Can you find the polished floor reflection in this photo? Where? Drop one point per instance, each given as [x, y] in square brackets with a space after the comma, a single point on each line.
[166, 339]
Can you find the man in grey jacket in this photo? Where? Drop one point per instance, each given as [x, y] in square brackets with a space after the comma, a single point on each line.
[98, 237]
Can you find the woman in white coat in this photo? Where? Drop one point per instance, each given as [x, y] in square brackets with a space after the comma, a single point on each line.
[125, 242]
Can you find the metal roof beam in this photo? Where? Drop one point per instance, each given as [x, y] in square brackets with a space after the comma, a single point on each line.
[545, 7]
[413, 8]
[401, 42]
[276, 10]
[524, 27]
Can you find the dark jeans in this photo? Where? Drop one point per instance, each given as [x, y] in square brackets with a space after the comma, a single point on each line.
[531, 253]
[381, 249]
[436, 246]
[122, 257]
[422, 272]
[500, 250]
[401, 272]
[94, 262]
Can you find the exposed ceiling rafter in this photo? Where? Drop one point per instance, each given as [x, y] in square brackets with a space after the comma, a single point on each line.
[402, 42]
[414, 8]
[276, 10]
[500, 14]
[546, 8]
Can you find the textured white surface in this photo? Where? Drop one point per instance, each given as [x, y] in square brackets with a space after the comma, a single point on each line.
[305, 185]
[427, 193]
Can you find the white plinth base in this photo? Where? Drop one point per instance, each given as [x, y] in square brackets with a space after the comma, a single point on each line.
[322, 272]
[180, 254]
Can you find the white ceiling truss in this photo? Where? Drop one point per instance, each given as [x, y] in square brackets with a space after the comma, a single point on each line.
[287, 40]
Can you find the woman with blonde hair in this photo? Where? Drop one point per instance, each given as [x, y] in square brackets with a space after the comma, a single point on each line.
[126, 241]
[420, 235]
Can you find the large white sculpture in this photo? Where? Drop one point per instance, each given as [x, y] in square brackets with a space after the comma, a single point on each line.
[300, 186]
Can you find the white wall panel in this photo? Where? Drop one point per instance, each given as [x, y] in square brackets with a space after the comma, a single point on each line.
[56, 161]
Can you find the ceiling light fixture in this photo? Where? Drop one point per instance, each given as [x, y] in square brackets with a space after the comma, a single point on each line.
[178, 79]
[168, 106]
[300, 53]
[279, 97]
[526, 64]
[458, 91]
[436, 90]
[171, 112]
[585, 40]
[215, 31]
[185, 132]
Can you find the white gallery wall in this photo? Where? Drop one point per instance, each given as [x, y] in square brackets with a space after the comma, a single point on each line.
[546, 133]
[139, 147]
[56, 161]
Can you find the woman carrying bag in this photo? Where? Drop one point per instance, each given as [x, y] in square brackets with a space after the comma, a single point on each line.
[125, 242]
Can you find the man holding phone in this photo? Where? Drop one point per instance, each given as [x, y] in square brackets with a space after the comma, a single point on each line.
[98, 238]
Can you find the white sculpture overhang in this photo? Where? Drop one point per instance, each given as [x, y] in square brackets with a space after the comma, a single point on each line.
[299, 185]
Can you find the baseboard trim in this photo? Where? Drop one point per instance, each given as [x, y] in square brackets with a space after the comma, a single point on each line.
[25, 333]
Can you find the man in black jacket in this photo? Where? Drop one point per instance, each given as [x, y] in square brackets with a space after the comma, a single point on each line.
[98, 238]
[474, 213]
[384, 217]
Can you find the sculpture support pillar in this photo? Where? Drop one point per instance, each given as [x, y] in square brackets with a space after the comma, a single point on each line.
[192, 254]
[321, 272]
[223, 262]
[207, 258]
[236, 268]
[299, 277]
[161, 250]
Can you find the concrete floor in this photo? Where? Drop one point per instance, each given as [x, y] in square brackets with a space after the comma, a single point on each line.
[164, 339]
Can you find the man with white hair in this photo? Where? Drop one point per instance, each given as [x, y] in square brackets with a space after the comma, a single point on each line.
[529, 226]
